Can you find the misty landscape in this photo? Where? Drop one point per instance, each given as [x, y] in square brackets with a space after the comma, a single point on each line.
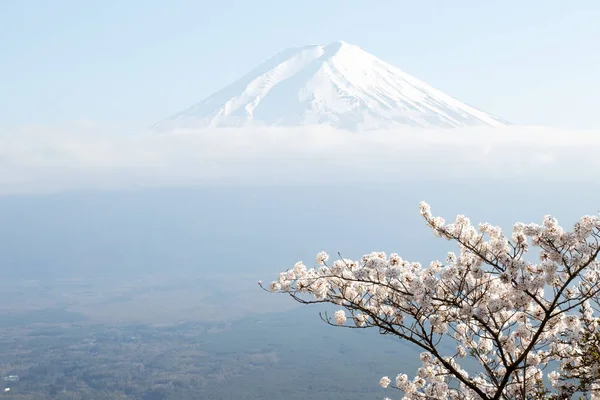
[141, 234]
[153, 293]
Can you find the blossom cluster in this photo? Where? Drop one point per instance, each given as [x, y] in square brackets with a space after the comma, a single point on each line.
[512, 310]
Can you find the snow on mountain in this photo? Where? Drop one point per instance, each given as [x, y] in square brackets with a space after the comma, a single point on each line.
[340, 85]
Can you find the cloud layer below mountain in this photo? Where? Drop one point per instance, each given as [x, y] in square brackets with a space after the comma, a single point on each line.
[85, 156]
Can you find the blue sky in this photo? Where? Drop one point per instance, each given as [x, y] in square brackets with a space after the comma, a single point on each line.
[134, 62]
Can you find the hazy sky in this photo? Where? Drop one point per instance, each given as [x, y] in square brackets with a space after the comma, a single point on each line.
[135, 62]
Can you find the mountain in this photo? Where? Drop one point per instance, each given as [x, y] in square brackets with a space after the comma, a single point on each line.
[340, 85]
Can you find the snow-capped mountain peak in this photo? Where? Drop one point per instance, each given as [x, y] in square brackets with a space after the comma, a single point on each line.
[340, 85]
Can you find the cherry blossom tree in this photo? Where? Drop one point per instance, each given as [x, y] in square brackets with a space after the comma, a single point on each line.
[523, 310]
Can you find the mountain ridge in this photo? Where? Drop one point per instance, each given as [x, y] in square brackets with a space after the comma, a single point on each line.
[339, 85]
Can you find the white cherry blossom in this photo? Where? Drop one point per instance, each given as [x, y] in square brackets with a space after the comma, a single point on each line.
[518, 304]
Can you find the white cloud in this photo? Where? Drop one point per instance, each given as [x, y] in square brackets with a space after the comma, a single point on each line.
[87, 156]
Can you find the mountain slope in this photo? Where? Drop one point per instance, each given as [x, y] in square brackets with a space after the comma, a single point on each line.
[340, 85]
